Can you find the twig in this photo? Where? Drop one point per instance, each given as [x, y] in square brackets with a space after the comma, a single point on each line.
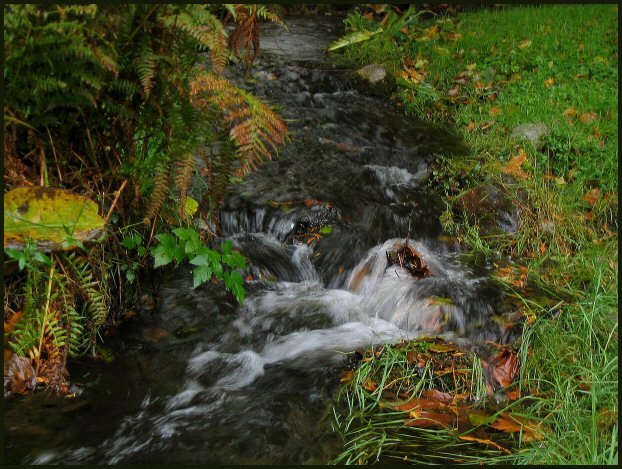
[116, 199]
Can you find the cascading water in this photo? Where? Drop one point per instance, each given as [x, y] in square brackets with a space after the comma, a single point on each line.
[227, 384]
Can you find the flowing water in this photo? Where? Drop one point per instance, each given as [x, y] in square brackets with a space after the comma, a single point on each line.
[203, 380]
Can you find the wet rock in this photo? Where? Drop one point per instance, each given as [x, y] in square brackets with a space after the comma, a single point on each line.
[316, 218]
[373, 79]
[304, 99]
[532, 132]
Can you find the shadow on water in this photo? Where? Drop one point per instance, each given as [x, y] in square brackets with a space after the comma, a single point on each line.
[202, 380]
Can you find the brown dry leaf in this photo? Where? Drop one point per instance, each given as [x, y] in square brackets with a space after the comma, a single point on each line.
[514, 395]
[347, 376]
[588, 117]
[495, 111]
[524, 44]
[505, 367]
[486, 442]
[471, 126]
[452, 93]
[542, 248]
[514, 166]
[592, 196]
[487, 125]
[439, 396]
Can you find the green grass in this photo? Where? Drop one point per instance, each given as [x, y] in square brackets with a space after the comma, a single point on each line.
[556, 65]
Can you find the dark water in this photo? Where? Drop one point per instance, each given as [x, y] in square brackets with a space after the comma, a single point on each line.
[203, 380]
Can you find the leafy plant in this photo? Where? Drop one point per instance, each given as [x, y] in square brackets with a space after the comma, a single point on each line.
[186, 245]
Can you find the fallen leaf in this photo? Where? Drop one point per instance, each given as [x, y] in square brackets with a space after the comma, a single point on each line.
[486, 442]
[592, 196]
[570, 112]
[440, 348]
[524, 44]
[542, 248]
[588, 117]
[549, 82]
[495, 111]
[10, 324]
[471, 126]
[370, 385]
[514, 166]
[505, 367]
[436, 395]
[514, 395]
[347, 376]
[428, 419]
[454, 92]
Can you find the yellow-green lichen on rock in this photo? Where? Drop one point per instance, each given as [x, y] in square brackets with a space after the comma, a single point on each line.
[48, 217]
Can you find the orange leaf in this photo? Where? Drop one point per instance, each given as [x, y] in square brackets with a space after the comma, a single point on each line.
[10, 324]
[486, 442]
[588, 117]
[570, 112]
[347, 376]
[370, 385]
[495, 111]
[549, 82]
[542, 248]
[514, 166]
[592, 196]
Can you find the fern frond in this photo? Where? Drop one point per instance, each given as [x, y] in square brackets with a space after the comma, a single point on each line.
[160, 192]
[254, 127]
[146, 67]
[98, 304]
[183, 178]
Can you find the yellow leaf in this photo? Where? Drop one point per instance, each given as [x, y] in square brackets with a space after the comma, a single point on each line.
[524, 44]
[549, 82]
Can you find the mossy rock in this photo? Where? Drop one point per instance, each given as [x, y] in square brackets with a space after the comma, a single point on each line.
[373, 79]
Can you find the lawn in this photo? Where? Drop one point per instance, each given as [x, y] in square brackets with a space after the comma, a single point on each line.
[485, 72]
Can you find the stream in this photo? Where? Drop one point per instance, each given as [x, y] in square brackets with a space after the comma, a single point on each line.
[201, 380]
